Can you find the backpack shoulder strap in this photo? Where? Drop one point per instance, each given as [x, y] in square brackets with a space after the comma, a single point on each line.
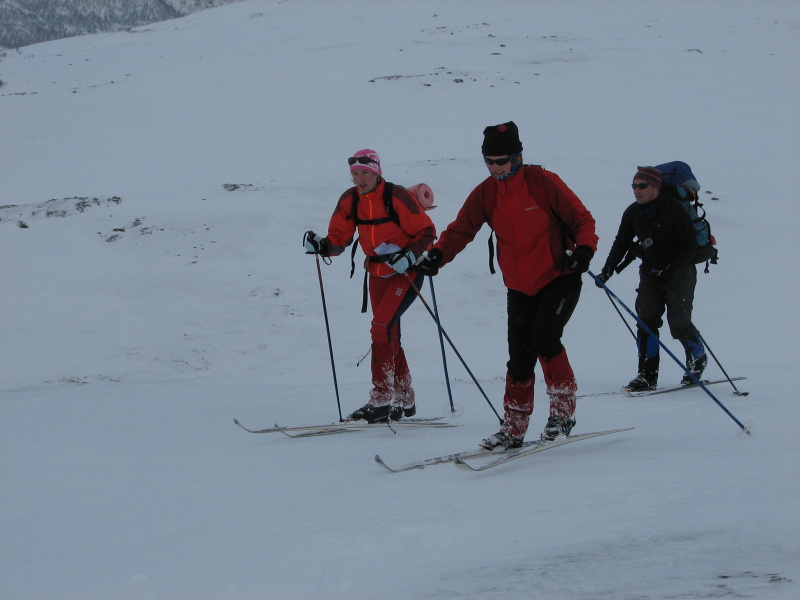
[388, 202]
[355, 241]
[491, 252]
[355, 205]
[490, 196]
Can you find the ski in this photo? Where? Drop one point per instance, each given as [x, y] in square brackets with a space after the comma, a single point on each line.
[597, 394]
[676, 388]
[421, 464]
[537, 446]
[319, 432]
[351, 425]
[332, 429]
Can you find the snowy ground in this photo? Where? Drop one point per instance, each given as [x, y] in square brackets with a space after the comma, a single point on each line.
[154, 188]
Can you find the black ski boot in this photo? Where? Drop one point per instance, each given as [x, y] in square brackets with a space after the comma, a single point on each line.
[501, 441]
[557, 426]
[642, 383]
[371, 414]
[398, 412]
[648, 375]
[696, 366]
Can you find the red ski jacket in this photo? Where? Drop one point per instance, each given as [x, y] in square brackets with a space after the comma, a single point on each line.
[416, 231]
[536, 219]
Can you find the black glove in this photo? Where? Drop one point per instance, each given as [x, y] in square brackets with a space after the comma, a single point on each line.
[578, 260]
[429, 265]
[604, 276]
[315, 244]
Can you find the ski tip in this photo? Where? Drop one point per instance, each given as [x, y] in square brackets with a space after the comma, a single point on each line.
[379, 460]
[461, 464]
[236, 422]
[399, 469]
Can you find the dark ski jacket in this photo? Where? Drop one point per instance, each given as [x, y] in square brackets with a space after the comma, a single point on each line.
[664, 236]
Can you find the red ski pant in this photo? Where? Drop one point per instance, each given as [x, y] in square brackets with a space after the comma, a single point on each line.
[391, 379]
[389, 298]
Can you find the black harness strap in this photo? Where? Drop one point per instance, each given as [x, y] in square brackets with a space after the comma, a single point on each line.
[387, 202]
[491, 252]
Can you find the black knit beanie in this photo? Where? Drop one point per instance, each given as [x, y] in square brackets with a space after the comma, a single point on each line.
[500, 140]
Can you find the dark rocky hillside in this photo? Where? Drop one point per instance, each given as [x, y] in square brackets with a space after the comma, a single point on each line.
[25, 22]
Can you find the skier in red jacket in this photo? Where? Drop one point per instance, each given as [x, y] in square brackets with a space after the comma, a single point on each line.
[545, 240]
[393, 231]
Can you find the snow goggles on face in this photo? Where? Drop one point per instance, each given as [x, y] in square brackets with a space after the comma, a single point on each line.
[497, 161]
[362, 160]
[640, 186]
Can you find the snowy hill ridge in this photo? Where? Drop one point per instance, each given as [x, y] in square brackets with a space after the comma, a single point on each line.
[154, 189]
[27, 22]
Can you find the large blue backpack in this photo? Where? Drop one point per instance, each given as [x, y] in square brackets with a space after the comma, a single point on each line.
[678, 181]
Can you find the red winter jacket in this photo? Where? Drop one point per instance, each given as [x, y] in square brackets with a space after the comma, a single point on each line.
[416, 230]
[536, 219]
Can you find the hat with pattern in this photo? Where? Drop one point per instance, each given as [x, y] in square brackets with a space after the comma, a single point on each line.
[365, 159]
[650, 175]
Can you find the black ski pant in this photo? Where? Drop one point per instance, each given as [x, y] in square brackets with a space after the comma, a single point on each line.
[536, 323]
[655, 297]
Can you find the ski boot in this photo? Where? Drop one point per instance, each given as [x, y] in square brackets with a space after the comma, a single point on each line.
[501, 441]
[371, 414]
[557, 426]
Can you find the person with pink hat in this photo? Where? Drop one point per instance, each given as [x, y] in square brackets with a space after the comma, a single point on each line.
[393, 231]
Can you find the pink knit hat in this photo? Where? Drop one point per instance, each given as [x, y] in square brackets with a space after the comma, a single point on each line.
[365, 159]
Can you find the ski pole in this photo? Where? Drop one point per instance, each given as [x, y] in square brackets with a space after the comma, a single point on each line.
[363, 358]
[441, 344]
[610, 299]
[449, 341]
[744, 428]
[710, 351]
[330, 344]
[621, 316]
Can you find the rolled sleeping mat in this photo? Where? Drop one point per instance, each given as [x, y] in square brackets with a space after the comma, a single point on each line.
[424, 194]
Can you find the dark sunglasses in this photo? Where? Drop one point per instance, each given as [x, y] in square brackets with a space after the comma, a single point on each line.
[497, 161]
[362, 160]
[640, 186]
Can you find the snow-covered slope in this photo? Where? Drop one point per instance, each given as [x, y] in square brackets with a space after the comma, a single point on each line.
[154, 188]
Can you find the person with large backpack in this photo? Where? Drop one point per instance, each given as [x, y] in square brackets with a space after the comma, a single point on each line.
[393, 231]
[658, 229]
[545, 240]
